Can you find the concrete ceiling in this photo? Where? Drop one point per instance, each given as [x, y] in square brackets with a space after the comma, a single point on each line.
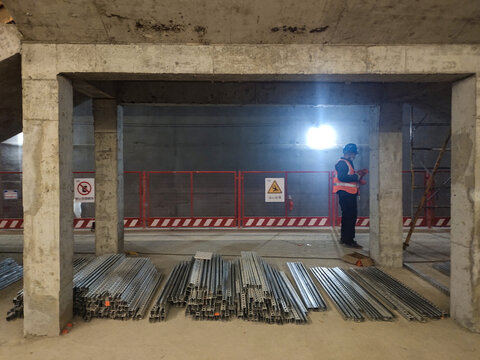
[248, 21]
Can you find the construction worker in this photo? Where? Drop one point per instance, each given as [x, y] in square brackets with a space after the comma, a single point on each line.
[346, 184]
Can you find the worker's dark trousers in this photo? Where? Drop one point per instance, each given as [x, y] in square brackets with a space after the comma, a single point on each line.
[348, 204]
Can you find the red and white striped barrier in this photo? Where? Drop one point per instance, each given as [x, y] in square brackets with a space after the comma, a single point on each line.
[87, 223]
[191, 222]
[231, 222]
[421, 221]
[363, 222]
[132, 223]
[11, 223]
[441, 222]
[407, 221]
[285, 222]
[83, 223]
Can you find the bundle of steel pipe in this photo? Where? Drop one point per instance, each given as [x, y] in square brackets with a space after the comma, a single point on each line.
[267, 294]
[215, 288]
[17, 310]
[10, 272]
[443, 288]
[109, 286]
[205, 288]
[352, 300]
[308, 290]
[398, 296]
[123, 293]
[173, 292]
[443, 267]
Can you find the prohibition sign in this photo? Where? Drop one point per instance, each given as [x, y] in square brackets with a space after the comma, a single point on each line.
[84, 188]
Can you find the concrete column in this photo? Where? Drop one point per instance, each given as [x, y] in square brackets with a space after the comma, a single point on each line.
[47, 205]
[108, 118]
[465, 203]
[385, 180]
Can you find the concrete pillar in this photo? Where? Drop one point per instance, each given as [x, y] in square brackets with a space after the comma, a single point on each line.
[47, 205]
[108, 118]
[385, 180]
[465, 203]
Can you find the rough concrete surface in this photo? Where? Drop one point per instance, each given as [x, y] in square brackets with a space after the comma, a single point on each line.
[249, 21]
[45, 61]
[47, 203]
[9, 41]
[109, 204]
[465, 271]
[327, 335]
[386, 216]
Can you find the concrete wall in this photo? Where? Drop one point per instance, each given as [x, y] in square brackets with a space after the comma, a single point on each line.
[226, 138]
[246, 138]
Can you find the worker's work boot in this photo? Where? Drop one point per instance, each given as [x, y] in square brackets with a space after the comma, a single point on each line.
[353, 245]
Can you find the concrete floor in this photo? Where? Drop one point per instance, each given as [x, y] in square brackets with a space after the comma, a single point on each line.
[327, 335]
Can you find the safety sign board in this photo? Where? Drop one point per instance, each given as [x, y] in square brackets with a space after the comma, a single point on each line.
[85, 190]
[10, 194]
[274, 189]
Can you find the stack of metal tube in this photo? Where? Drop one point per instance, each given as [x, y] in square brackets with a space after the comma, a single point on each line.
[10, 272]
[215, 288]
[123, 293]
[410, 304]
[443, 267]
[173, 292]
[312, 298]
[267, 294]
[206, 288]
[17, 310]
[352, 300]
[108, 286]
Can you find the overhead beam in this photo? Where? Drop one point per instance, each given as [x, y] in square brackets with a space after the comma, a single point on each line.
[248, 93]
[91, 90]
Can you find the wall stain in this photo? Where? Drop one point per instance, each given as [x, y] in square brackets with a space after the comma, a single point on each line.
[150, 26]
[298, 29]
[319, 29]
[200, 30]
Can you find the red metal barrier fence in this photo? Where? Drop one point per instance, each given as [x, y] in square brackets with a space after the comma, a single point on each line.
[191, 199]
[213, 199]
[307, 202]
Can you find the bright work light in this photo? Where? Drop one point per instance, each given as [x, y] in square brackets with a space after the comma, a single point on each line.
[320, 138]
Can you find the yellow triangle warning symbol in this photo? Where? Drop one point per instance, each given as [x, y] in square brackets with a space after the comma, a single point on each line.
[274, 189]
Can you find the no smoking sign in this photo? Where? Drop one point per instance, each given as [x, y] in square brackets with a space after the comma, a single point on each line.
[85, 190]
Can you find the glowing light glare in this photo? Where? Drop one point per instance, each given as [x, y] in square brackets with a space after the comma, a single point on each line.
[323, 137]
[15, 140]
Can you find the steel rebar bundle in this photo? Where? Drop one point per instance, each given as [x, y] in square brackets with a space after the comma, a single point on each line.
[352, 300]
[398, 296]
[10, 272]
[308, 290]
[215, 288]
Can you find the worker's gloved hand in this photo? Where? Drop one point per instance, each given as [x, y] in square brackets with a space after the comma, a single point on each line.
[362, 172]
[362, 182]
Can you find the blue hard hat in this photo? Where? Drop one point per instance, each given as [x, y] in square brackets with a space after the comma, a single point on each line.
[350, 148]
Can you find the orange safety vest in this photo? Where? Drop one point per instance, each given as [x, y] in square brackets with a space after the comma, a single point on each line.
[349, 187]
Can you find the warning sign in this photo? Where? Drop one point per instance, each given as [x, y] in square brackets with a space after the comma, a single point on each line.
[274, 189]
[10, 194]
[84, 190]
